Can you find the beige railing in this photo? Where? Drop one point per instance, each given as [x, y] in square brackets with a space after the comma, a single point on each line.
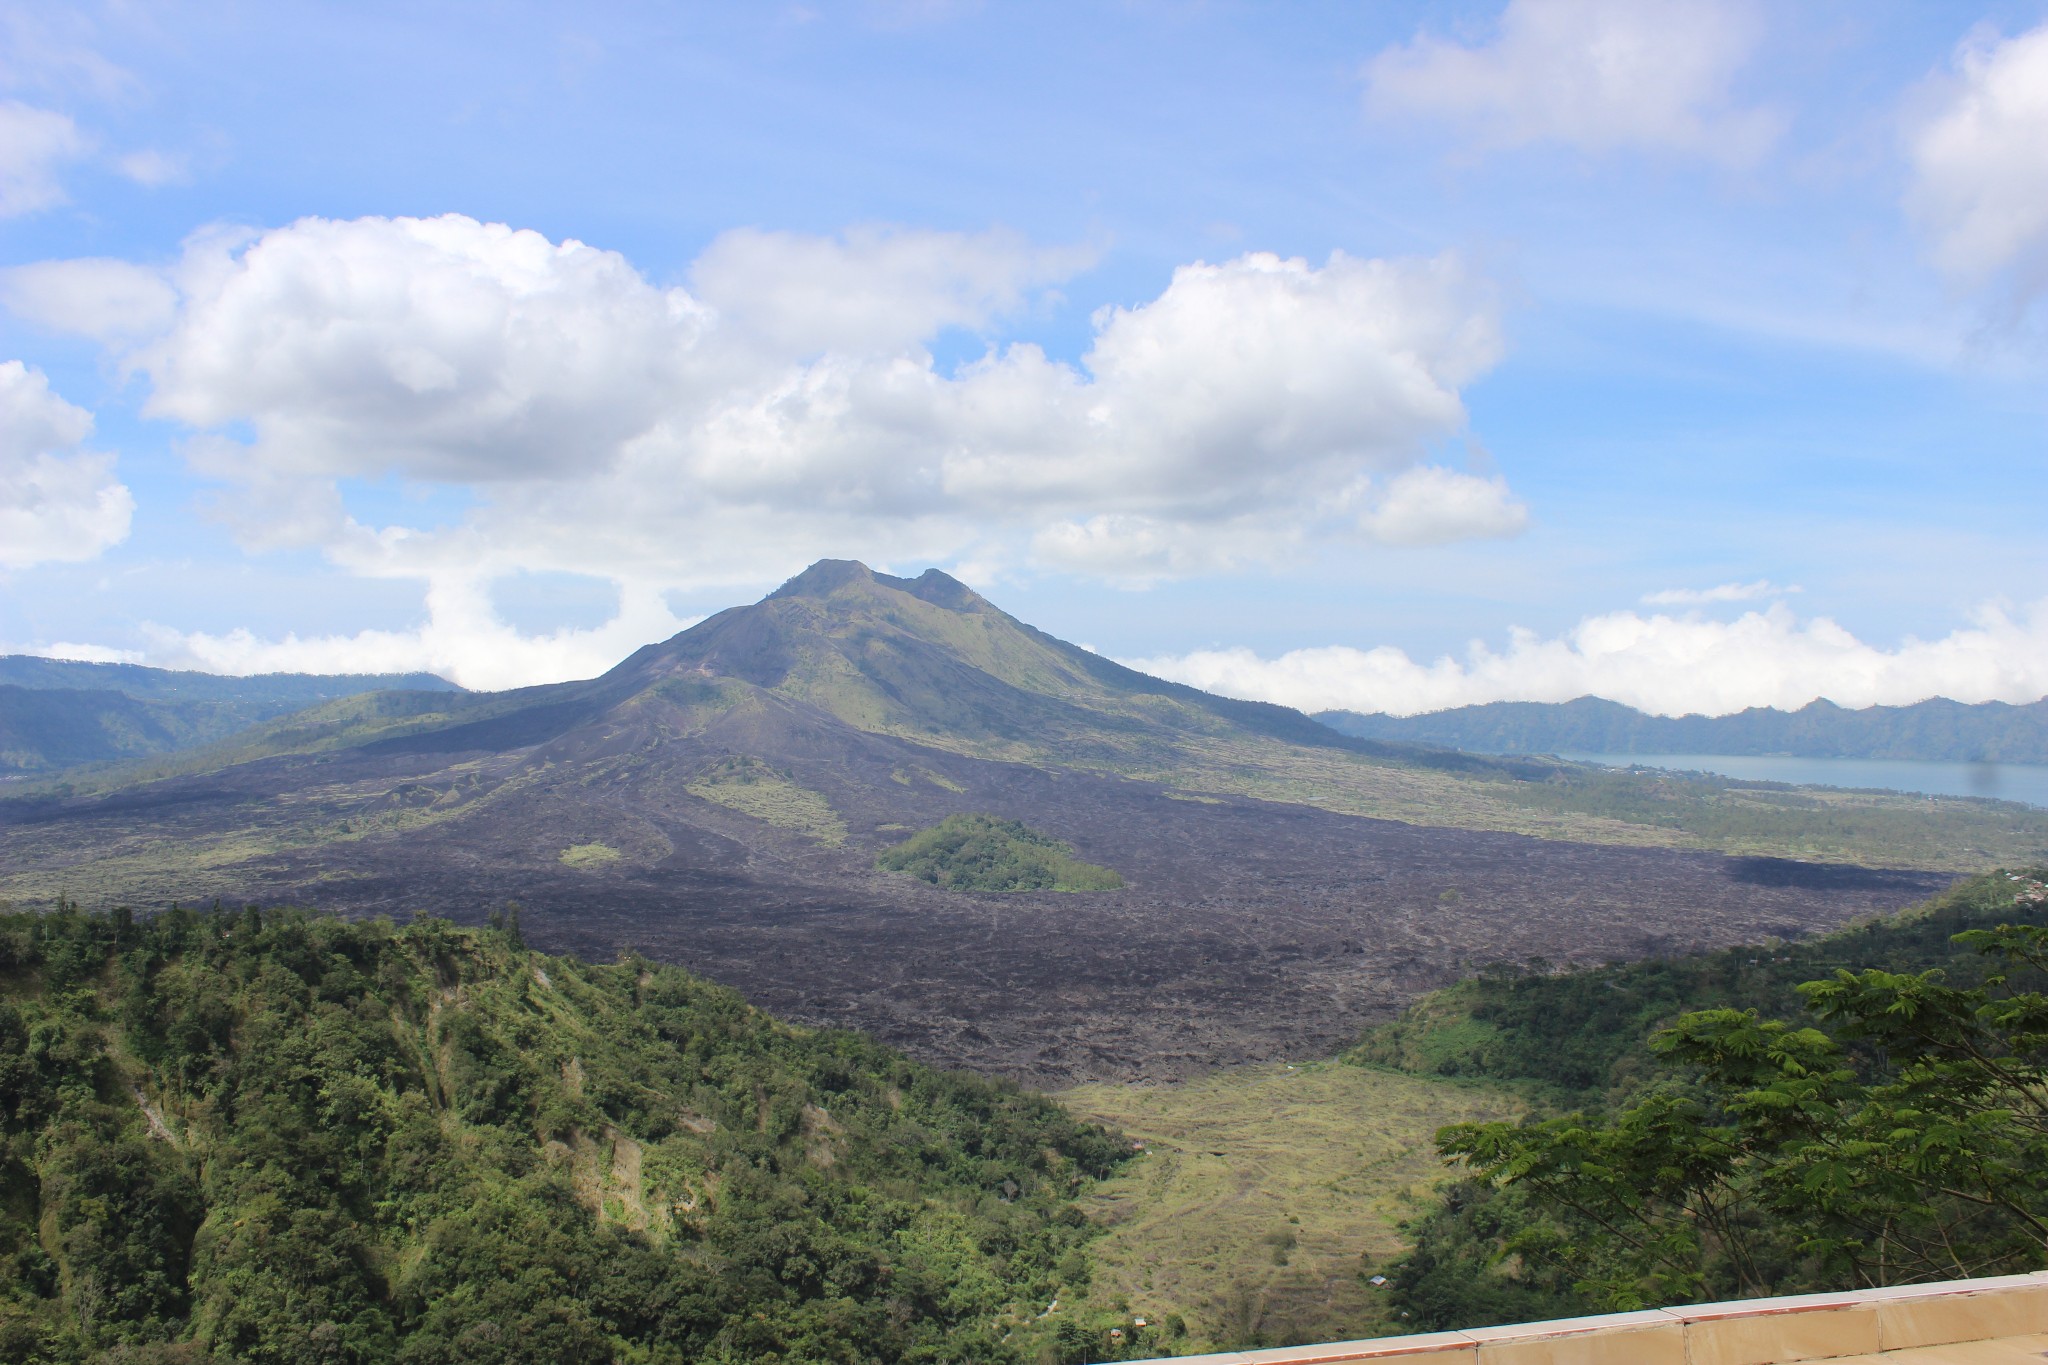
[1915, 1318]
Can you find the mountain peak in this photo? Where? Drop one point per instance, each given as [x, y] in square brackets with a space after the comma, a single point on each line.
[930, 660]
[824, 578]
[829, 576]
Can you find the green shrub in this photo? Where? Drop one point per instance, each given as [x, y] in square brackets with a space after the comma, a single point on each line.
[982, 853]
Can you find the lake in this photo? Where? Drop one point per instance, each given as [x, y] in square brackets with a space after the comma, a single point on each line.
[2026, 782]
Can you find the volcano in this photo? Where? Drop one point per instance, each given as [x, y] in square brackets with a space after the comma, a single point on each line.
[923, 659]
[719, 800]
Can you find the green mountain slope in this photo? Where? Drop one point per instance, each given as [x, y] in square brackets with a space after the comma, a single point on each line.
[58, 713]
[285, 1138]
[1937, 730]
[925, 660]
[45, 729]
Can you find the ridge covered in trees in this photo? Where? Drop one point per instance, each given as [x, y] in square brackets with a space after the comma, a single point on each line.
[278, 1137]
[1866, 1108]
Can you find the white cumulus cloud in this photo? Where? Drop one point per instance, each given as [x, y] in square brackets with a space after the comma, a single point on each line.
[1980, 176]
[438, 348]
[57, 502]
[1600, 75]
[1666, 665]
[1251, 384]
[787, 402]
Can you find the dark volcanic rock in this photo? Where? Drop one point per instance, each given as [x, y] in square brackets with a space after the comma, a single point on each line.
[1247, 930]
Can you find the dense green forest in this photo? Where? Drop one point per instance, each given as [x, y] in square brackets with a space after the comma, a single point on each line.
[982, 853]
[1937, 729]
[1867, 1107]
[277, 1137]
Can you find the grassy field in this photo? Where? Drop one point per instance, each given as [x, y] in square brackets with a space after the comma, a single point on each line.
[1264, 1194]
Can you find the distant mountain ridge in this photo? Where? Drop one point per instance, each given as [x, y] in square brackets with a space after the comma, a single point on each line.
[1936, 730]
[178, 684]
[60, 713]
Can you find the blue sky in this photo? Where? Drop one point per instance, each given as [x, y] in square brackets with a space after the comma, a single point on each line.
[1290, 350]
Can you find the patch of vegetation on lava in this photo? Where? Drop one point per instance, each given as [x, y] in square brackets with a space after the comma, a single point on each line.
[982, 853]
[589, 855]
[752, 787]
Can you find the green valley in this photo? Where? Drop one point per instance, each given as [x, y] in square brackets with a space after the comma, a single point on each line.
[1268, 1196]
[867, 803]
[1264, 1198]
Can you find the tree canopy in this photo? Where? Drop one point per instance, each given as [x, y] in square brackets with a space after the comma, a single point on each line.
[1898, 1132]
